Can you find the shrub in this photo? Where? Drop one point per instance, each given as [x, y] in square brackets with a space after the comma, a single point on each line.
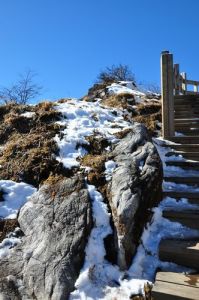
[116, 73]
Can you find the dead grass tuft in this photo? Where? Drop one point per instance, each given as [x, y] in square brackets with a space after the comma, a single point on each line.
[7, 226]
[148, 108]
[29, 149]
[150, 121]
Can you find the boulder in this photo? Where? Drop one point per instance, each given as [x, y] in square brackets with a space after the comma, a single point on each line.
[56, 223]
[136, 186]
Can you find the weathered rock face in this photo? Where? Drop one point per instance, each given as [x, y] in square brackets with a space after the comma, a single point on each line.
[56, 223]
[136, 186]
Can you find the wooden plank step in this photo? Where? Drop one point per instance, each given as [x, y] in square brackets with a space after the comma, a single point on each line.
[181, 252]
[189, 218]
[173, 286]
[186, 125]
[194, 154]
[191, 113]
[187, 120]
[185, 139]
[184, 164]
[186, 105]
[179, 195]
[184, 180]
[187, 155]
[186, 97]
[189, 132]
[186, 102]
[185, 147]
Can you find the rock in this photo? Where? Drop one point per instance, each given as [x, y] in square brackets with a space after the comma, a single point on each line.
[136, 186]
[56, 223]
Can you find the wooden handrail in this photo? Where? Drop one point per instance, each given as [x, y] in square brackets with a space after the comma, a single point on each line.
[172, 83]
[181, 82]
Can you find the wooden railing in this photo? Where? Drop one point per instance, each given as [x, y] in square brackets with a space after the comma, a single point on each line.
[172, 83]
[181, 83]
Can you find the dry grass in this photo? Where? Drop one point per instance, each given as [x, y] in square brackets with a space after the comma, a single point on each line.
[148, 108]
[29, 149]
[64, 100]
[150, 121]
[119, 101]
[7, 226]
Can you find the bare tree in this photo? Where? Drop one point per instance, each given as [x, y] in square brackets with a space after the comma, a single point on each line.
[116, 73]
[22, 91]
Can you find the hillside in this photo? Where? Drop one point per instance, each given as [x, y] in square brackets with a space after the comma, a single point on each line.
[78, 183]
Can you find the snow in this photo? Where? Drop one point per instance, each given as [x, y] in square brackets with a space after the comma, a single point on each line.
[8, 243]
[28, 114]
[101, 280]
[15, 196]
[119, 88]
[82, 119]
[110, 166]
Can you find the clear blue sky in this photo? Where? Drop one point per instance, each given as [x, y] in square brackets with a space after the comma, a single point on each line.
[68, 42]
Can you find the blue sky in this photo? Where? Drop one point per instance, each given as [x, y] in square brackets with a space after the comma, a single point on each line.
[67, 43]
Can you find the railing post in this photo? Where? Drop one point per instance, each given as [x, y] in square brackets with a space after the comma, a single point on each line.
[167, 88]
[176, 79]
[184, 84]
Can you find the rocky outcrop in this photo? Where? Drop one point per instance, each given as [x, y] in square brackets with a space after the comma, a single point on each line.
[136, 186]
[56, 223]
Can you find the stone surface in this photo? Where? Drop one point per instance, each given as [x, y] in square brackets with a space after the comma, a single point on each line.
[56, 223]
[136, 186]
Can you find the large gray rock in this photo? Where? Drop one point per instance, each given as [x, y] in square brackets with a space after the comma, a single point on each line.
[136, 186]
[56, 223]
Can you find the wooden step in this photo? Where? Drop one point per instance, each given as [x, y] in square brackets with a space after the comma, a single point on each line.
[185, 147]
[190, 196]
[189, 218]
[186, 124]
[195, 96]
[181, 252]
[184, 164]
[187, 155]
[185, 139]
[193, 180]
[186, 105]
[188, 132]
[173, 286]
[187, 120]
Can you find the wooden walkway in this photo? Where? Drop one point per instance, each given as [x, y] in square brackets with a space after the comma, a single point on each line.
[184, 120]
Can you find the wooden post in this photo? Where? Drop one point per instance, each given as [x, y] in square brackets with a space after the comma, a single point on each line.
[176, 79]
[167, 88]
[184, 84]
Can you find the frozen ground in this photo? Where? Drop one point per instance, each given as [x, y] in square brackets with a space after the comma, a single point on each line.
[15, 195]
[98, 278]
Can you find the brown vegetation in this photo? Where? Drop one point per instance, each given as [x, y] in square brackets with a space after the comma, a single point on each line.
[29, 150]
[7, 226]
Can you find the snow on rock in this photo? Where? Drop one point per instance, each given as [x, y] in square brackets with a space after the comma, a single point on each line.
[110, 166]
[98, 278]
[9, 242]
[28, 114]
[15, 195]
[82, 119]
[124, 87]
[101, 280]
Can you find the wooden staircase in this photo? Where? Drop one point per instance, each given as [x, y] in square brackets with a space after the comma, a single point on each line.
[183, 119]
[172, 286]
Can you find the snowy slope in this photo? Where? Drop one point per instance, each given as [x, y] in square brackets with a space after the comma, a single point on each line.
[99, 279]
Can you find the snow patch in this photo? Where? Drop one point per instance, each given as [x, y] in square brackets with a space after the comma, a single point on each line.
[15, 195]
[110, 166]
[82, 119]
[28, 114]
